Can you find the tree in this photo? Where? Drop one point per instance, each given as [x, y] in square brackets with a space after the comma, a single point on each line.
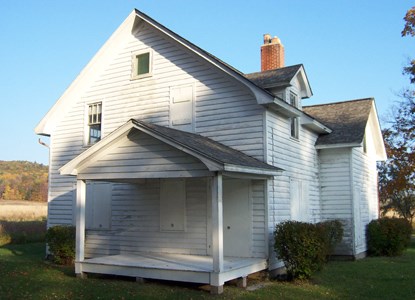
[409, 29]
[397, 175]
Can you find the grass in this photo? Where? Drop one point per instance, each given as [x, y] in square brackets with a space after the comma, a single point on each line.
[22, 222]
[25, 275]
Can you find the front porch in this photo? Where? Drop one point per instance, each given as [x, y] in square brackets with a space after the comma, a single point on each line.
[186, 195]
[174, 267]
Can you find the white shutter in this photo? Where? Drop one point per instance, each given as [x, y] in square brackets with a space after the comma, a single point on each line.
[181, 107]
[98, 205]
[299, 200]
[172, 204]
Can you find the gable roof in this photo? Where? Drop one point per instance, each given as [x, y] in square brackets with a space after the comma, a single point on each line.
[46, 125]
[347, 120]
[276, 77]
[282, 77]
[216, 156]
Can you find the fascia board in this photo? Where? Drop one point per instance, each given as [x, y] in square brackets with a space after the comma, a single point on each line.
[341, 145]
[314, 125]
[250, 170]
[378, 138]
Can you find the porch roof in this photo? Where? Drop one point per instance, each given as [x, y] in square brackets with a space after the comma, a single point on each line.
[215, 156]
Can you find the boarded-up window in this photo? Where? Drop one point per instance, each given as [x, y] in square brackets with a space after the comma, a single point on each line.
[172, 205]
[181, 107]
[98, 205]
[299, 200]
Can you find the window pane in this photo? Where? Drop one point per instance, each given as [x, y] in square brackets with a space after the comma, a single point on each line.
[94, 122]
[143, 63]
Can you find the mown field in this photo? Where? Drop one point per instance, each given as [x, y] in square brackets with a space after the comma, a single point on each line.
[24, 274]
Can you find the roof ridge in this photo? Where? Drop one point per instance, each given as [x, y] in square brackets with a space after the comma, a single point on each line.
[262, 72]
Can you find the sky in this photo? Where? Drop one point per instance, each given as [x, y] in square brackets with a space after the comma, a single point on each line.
[350, 49]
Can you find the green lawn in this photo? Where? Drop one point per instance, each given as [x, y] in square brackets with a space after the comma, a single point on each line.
[25, 275]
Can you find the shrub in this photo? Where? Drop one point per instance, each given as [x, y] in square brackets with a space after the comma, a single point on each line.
[61, 242]
[304, 247]
[332, 234]
[388, 236]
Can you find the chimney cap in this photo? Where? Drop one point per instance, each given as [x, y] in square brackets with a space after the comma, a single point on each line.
[267, 38]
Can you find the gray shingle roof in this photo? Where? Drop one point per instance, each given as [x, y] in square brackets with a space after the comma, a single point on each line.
[274, 78]
[347, 120]
[207, 147]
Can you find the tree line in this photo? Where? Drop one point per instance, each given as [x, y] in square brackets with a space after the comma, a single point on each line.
[23, 180]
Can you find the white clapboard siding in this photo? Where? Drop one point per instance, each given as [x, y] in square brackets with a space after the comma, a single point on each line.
[299, 160]
[364, 179]
[259, 218]
[227, 111]
[135, 223]
[142, 156]
[336, 192]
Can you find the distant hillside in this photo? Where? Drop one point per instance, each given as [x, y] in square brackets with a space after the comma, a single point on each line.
[23, 180]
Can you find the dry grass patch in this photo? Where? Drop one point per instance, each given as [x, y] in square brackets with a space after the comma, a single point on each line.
[22, 210]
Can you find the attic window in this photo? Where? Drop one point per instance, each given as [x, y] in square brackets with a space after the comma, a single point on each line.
[141, 64]
[294, 129]
[94, 122]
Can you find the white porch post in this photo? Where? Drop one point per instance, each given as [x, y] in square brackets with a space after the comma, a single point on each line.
[80, 225]
[216, 281]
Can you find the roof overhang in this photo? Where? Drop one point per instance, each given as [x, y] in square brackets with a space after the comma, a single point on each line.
[314, 125]
[212, 163]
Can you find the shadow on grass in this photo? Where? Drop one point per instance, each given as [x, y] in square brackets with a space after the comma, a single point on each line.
[21, 232]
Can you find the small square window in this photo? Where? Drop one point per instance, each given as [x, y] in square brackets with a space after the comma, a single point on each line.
[141, 65]
[94, 122]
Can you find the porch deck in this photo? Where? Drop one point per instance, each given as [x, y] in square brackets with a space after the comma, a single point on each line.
[176, 267]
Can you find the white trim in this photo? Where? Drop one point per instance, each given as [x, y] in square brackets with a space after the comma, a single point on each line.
[80, 225]
[344, 145]
[250, 170]
[217, 230]
[86, 121]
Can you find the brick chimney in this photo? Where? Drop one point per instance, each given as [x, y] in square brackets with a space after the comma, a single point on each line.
[272, 53]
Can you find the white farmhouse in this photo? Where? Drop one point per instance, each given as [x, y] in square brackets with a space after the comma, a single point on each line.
[174, 165]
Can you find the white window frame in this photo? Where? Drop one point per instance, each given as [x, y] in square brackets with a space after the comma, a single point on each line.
[134, 64]
[86, 122]
[294, 121]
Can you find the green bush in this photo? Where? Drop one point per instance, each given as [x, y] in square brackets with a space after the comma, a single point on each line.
[304, 247]
[332, 234]
[61, 242]
[388, 236]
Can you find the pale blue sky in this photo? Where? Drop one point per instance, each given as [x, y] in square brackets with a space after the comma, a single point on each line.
[350, 49]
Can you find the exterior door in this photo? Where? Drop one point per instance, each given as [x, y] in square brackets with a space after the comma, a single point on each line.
[237, 222]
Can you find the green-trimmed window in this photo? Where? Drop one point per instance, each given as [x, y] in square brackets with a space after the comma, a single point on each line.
[141, 64]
